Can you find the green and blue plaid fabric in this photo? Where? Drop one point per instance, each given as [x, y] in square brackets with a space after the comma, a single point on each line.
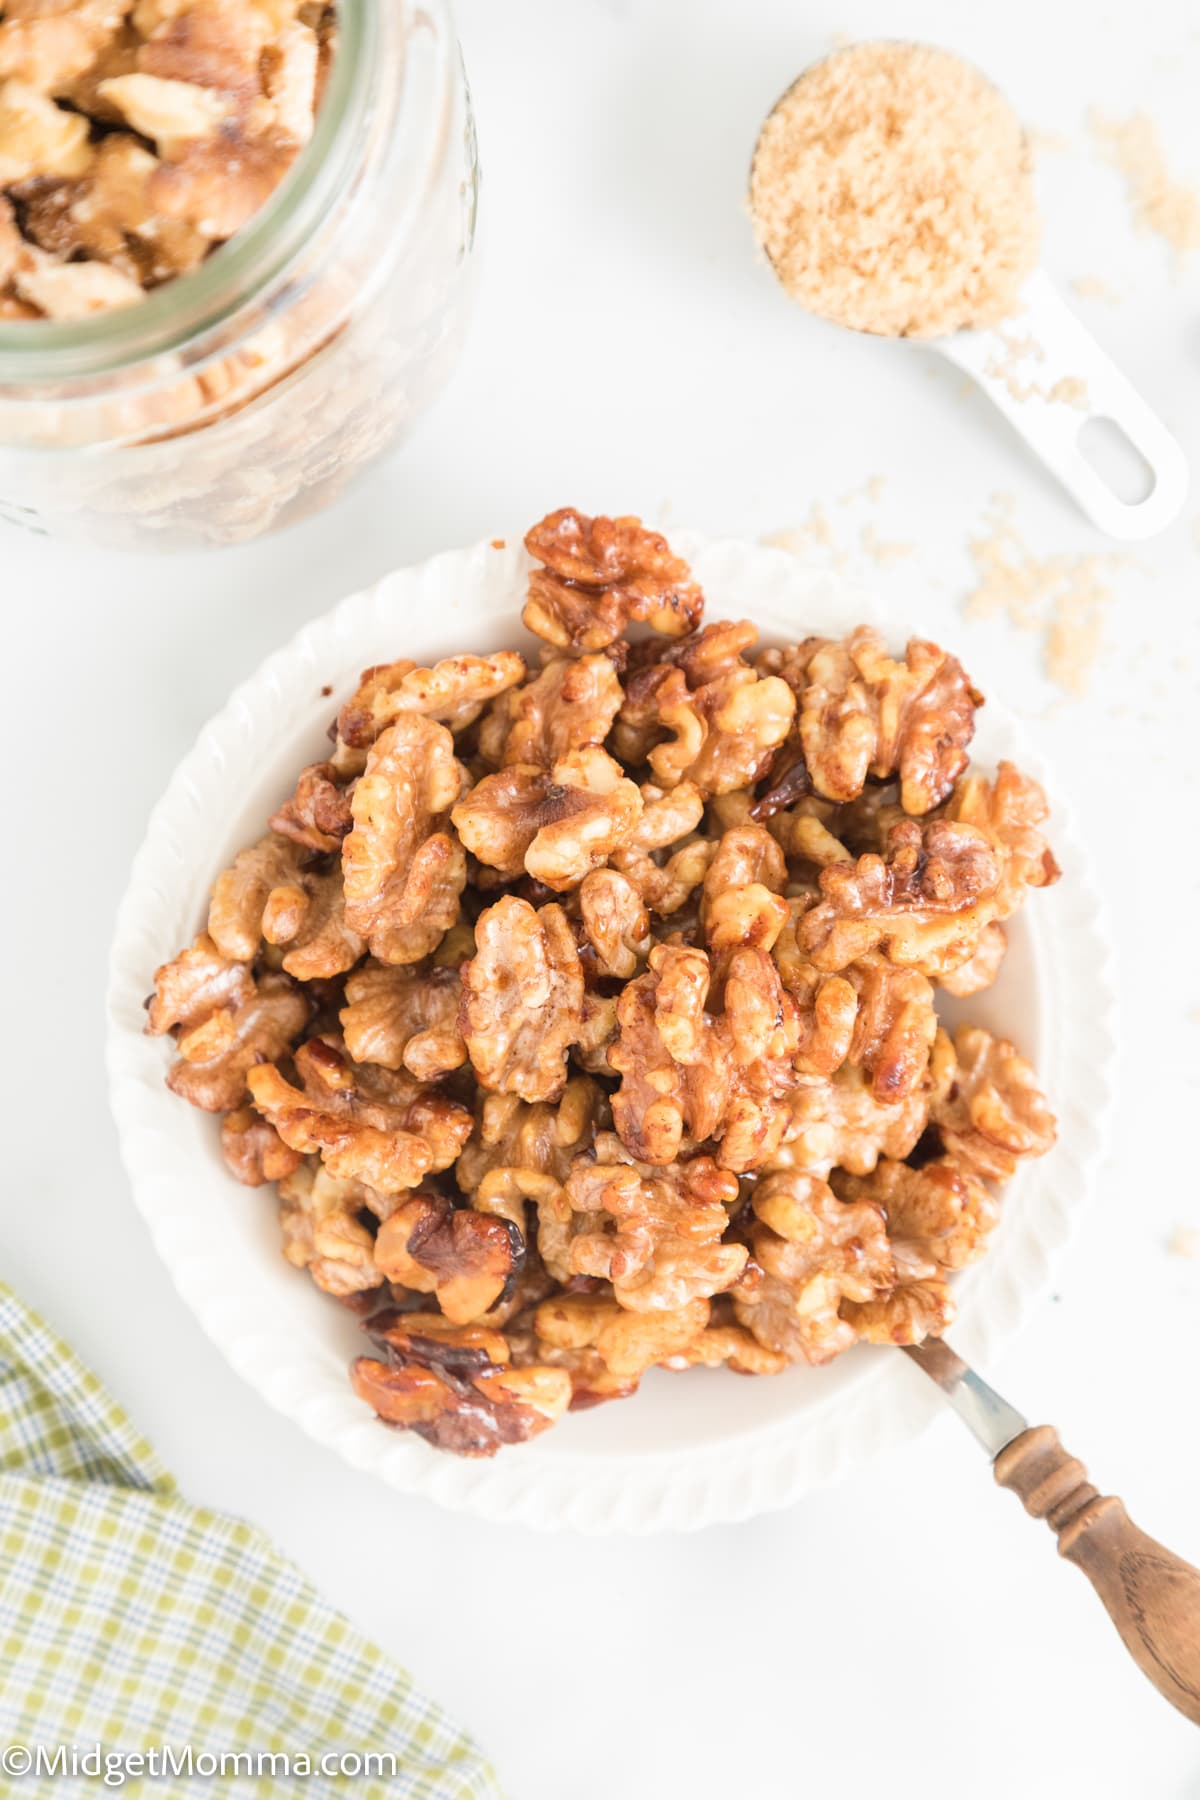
[133, 1625]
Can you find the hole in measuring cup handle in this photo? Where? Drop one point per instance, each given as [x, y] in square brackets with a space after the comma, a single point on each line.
[1108, 449]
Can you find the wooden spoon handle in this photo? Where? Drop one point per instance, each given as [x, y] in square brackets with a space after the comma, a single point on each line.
[1152, 1596]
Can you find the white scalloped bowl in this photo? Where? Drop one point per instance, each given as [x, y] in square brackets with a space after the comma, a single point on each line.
[688, 1450]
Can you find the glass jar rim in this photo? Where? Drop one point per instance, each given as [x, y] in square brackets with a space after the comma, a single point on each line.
[35, 352]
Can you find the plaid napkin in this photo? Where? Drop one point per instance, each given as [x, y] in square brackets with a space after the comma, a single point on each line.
[132, 1622]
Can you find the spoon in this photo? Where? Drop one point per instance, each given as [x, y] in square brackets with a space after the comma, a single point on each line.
[1151, 1595]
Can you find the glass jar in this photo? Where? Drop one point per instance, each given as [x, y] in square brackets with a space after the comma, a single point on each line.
[246, 394]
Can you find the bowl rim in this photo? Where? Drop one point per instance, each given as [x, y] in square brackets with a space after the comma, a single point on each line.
[678, 1489]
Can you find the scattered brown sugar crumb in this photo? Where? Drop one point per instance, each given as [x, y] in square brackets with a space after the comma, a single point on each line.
[1159, 204]
[1185, 1241]
[817, 542]
[880, 551]
[1063, 598]
[1094, 287]
[892, 190]
[326, 691]
[1008, 366]
[499, 543]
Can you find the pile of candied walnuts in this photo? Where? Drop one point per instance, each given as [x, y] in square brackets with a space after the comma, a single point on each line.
[135, 135]
[583, 1013]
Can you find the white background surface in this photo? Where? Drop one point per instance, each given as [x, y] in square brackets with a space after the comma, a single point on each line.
[911, 1632]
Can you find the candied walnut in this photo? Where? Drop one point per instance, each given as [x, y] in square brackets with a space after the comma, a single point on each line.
[318, 815]
[592, 1381]
[522, 998]
[993, 1113]
[685, 1069]
[725, 1344]
[455, 1387]
[570, 706]
[253, 1150]
[827, 1004]
[399, 1018]
[76, 290]
[37, 137]
[323, 1231]
[307, 917]
[863, 714]
[981, 969]
[907, 1315]
[925, 905]
[601, 575]
[597, 1032]
[171, 113]
[1009, 811]
[466, 1258]
[894, 1026]
[743, 902]
[454, 692]
[47, 48]
[628, 1343]
[938, 1216]
[219, 1055]
[241, 894]
[107, 215]
[815, 1252]
[214, 182]
[372, 1125]
[668, 815]
[837, 1122]
[199, 982]
[223, 1022]
[703, 714]
[615, 923]
[654, 1233]
[511, 1135]
[402, 870]
[290, 67]
[554, 824]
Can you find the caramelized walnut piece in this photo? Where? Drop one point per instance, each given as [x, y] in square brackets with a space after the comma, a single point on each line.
[544, 1137]
[371, 1125]
[241, 895]
[994, 1113]
[47, 47]
[894, 1026]
[522, 998]
[654, 1233]
[555, 824]
[704, 714]
[685, 1069]
[628, 1343]
[615, 923]
[925, 905]
[743, 904]
[862, 714]
[253, 1150]
[938, 1216]
[402, 1019]
[570, 706]
[815, 1252]
[464, 1257]
[600, 575]
[837, 1122]
[223, 1022]
[403, 872]
[455, 1386]
[318, 815]
[307, 918]
[323, 1232]
[454, 692]
[1009, 810]
[908, 1314]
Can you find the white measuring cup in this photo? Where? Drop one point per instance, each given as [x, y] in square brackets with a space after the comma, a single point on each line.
[1060, 349]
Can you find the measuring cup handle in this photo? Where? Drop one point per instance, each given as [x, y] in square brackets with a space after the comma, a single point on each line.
[1065, 356]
